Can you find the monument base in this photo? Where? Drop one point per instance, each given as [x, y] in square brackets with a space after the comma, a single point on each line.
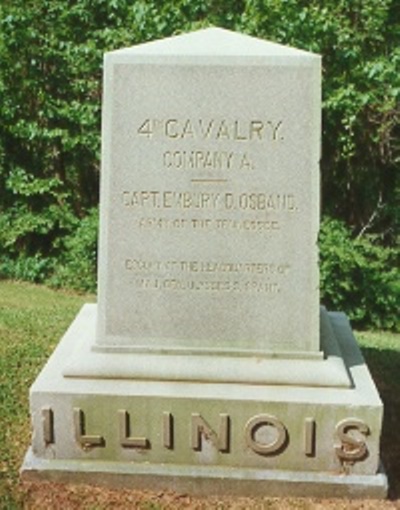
[207, 437]
[205, 480]
[323, 368]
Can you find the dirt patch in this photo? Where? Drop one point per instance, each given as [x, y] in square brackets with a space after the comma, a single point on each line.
[51, 496]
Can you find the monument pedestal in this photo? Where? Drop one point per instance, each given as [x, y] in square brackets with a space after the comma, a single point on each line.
[322, 369]
[203, 437]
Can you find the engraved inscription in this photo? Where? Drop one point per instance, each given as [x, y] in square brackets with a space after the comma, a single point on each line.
[265, 208]
[198, 266]
[206, 160]
[176, 130]
[210, 181]
[196, 275]
[208, 224]
[184, 200]
[211, 129]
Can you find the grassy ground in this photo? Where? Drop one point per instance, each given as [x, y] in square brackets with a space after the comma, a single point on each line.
[33, 318]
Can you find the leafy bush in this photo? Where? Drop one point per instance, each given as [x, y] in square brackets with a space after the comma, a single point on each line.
[30, 228]
[359, 277]
[31, 269]
[76, 267]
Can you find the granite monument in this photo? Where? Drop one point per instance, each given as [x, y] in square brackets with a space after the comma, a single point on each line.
[208, 365]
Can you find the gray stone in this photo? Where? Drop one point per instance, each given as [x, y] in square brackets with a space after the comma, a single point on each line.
[207, 437]
[206, 480]
[208, 365]
[210, 197]
[329, 371]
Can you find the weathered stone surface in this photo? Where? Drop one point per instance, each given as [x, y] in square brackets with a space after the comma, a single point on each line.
[291, 369]
[206, 366]
[254, 433]
[206, 480]
[210, 197]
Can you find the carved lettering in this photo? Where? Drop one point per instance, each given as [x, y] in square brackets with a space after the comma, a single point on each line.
[206, 128]
[170, 128]
[256, 129]
[207, 266]
[252, 226]
[260, 201]
[200, 160]
[145, 129]
[275, 128]
[191, 274]
[245, 163]
[212, 129]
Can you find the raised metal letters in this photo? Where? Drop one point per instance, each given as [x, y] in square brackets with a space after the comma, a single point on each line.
[48, 425]
[309, 437]
[350, 447]
[264, 434]
[167, 432]
[200, 428]
[263, 420]
[85, 440]
[124, 431]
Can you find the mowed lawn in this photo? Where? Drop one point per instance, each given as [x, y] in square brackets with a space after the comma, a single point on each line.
[32, 320]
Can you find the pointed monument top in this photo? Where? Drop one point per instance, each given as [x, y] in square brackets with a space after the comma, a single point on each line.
[210, 42]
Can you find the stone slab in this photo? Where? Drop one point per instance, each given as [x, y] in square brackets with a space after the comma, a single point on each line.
[208, 436]
[326, 370]
[210, 197]
[205, 480]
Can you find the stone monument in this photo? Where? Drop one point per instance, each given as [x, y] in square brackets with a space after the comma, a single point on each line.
[207, 365]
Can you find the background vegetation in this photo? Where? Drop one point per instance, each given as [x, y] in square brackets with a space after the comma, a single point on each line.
[50, 89]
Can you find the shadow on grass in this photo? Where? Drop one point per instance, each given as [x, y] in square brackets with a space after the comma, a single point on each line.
[384, 365]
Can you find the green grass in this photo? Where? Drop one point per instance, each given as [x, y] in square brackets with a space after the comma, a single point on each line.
[33, 319]
[382, 354]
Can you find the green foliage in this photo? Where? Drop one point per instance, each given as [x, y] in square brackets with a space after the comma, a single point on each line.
[359, 44]
[50, 87]
[359, 276]
[30, 269]
[76, 267]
